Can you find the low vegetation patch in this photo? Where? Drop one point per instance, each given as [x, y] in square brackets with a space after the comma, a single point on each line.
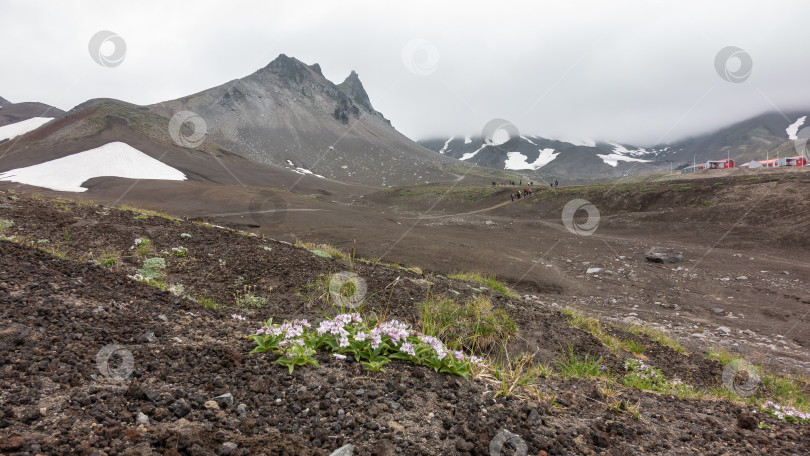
[322, 250]
[473, 324]
[784, 397]
[657, 335]
[594, 327]
[487, 280]
[371, 342]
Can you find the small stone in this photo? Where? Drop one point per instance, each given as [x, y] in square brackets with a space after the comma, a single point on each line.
[463, 445]
[742, 278]
[142, 419]
[601, 439]
[345, 450]
[11, 444]
[162, 318]
[749, 332]
[226, 448]
[746, 421]
[212, 405]
[360, 392]
[180, 408]
[396, 427]
[224, 399]
[241, 409]
[724, 329]
[717, 310]
[663, 255]
[146, 337]
[592, 271]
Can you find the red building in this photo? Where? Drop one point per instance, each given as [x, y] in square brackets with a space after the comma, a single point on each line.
[720, 164]
[794, 161]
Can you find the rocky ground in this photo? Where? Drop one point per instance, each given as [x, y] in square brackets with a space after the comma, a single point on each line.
[193, 388]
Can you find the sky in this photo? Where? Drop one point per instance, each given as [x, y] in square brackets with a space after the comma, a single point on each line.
[638, 72]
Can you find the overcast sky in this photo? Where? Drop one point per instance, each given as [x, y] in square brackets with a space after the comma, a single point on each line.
[638, 72]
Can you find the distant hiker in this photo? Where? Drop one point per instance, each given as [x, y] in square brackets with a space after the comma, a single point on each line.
[521, 182]
[551, 185]
[556, 183]
[512, 195]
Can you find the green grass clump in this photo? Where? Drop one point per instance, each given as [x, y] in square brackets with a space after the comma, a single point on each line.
[581, 367]
[322, 250]
[247, 300]
[657, 335]
[487, 280]
[153, 268]
[144, 213]
[594, 327]
[5, 224]
[474, 323]
[109, 259]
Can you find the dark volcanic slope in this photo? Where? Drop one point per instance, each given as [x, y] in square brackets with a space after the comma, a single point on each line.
[17, 112]
[208, 167]
[289, 112]
[56, 316]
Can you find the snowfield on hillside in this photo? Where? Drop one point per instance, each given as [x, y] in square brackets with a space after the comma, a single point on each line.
[516, 160]
[20, 128]
[115, 159]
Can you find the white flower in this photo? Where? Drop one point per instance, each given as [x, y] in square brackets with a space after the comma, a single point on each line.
[339, 357]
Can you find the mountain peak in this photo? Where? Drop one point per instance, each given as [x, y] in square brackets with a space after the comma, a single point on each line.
[354, 89]
[292, 68]
[4, 102]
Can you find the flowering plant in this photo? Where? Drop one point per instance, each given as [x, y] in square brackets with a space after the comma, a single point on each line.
[370, 342]
[643, 376]
[786, 413]
[179, 251]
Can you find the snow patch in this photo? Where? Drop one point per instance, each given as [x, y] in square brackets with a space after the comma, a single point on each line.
[115, 159]
[621, 150]
[470, 155]
[467, 139]
[20, 128]
[516, 160]
[791, 130]
[446, 143]
[529, 140]
[614, 159]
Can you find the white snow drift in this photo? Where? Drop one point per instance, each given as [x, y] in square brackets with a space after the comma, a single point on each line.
[516, 160]
[621, 153]
[20, 128]
[115, 159]
[793, 128]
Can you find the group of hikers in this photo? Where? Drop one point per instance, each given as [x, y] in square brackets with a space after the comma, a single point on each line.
[526, 191]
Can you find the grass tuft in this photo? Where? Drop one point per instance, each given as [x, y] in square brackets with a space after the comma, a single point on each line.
[473, 324]
[488, 280]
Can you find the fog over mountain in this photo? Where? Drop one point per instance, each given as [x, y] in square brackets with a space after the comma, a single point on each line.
[634, 72]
